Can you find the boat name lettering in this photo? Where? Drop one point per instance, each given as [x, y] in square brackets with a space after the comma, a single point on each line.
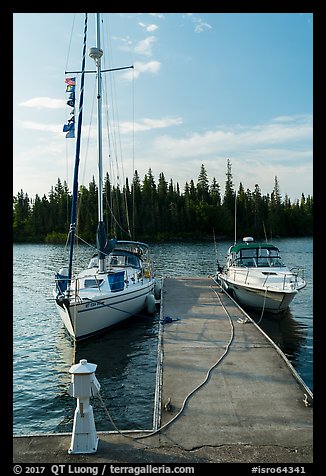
[94, 304]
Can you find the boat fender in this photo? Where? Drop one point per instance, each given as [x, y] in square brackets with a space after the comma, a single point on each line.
[157, 289]
[150, 304]
[230, 292]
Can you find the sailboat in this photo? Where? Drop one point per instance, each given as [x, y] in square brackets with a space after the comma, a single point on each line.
[118, 282]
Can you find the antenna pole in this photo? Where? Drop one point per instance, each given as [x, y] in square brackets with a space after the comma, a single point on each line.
[235, 218]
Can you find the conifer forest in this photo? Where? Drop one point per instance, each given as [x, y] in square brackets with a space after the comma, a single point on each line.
[151, 211]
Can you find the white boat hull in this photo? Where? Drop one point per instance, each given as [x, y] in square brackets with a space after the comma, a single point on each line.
[258, 298]
[97, 314]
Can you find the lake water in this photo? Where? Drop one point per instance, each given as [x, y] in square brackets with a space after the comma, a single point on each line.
[126, 356]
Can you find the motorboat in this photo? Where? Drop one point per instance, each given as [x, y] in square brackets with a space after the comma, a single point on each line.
[256, 277]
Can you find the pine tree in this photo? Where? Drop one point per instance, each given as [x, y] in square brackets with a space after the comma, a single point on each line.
[162, 212]
[215, 193]
[21, 215]
[203, 185]
[229, 194]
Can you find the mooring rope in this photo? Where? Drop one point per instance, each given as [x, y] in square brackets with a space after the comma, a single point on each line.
[262, 311]
[190, 393]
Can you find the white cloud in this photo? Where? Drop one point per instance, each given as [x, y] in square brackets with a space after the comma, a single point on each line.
[200, 25]
[44, 103]
[297, 118]
[226, 140]
[41, 126]
[257, 154]
[157, 15]
[144, 47]
[147, 124]
[125, 42]
[150, 28]
[151, 67]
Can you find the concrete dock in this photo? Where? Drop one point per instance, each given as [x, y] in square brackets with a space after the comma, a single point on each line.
[230, 393]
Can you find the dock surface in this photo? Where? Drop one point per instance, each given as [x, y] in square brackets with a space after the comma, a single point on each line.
[230, 393]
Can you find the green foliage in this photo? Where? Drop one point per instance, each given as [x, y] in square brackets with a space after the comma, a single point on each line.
[159, 212]
[55, 237]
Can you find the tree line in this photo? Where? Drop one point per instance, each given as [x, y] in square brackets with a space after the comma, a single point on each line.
[160, 211]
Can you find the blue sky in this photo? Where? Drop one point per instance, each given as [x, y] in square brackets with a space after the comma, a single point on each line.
[206, 87]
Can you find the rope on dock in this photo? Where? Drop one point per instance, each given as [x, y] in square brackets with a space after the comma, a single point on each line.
[190, 393]
[277, 348]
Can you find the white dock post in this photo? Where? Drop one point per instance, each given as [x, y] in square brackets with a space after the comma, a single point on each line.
[83, 385]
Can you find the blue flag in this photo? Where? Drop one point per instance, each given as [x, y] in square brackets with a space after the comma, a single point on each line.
[71, 134]
[70, 88]
[68, 127]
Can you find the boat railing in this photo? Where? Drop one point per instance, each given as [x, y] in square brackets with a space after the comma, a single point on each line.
[242, 273]
[298, 273]
[93, 282]
[290, 280]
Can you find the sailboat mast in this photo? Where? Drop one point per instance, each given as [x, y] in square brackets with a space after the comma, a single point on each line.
[103, 244]
[96, 53]
[99, 117]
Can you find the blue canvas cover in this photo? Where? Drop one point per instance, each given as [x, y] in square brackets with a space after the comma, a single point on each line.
[117, 281]
[62, 282]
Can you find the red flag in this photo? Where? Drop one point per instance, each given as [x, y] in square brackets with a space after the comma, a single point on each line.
[71, 81]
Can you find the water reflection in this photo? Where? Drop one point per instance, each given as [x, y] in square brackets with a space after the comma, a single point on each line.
[284, 330]
[126, 368]
[293, 337]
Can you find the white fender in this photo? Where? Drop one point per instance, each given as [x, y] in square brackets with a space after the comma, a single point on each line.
[150, 304]
[157, 289]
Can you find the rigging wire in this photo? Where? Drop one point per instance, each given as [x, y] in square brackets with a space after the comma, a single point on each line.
[74, 214]
[77, 156]
[116, 149]
[215, 246]
[70, 40]
[67, 143]
[115, 220]
[109, 88]
[75, 321]
[114, 145]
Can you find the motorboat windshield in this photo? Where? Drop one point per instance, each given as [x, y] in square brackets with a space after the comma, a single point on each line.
[259, 256]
